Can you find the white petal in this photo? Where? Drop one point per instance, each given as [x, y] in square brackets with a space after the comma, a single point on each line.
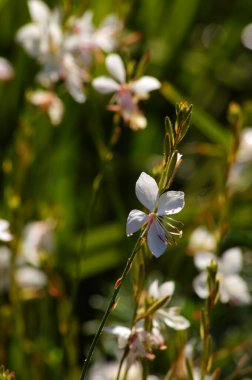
[166, 289]
[236, 289]
[171, 202]
[28, 36]
[135, 221]
[6, 70]
[145, 85]
[200, 285]
[74, 86]
[28, 277]
[4, 224]
[231, 261]
[154, 290]
[172, 319]
[116, 67]
[147, 191]
[56, 111]
[137, 121]
[203, 259]
[105, 85]
[122, 334]
[39, 11]
[156, 239]
[202, 240]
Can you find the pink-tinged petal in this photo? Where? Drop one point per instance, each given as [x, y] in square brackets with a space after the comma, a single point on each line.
[135, 221]
[231, 261]
[147, 191]
[145, 85]
[203, 259]
[39, 11]
[200, 285]
[6, 70]
[122, 334]
[235, 289]
[170, 203]
[156, 239]
[116, 67]
[105, 85]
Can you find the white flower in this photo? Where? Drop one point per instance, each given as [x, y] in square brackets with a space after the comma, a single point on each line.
[157, 221]
[127, 95]
[169, 316]
[37, 239]
[5, 235]
[29, 277]
[6, 70]
[44, 40]
[232, 287]
[139, 341]
[202, 240]
[49, 102]
[86, 39]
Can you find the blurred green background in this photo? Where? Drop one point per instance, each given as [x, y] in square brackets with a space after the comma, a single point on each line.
[48, 172]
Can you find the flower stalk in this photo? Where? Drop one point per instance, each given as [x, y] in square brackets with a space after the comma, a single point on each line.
[112, 303]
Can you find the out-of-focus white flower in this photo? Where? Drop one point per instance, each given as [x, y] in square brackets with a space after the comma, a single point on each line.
[108, 371]
[232, 287]
[43, 39]
[6, 70]
[140, 342]
[86, 40]
[5, 235]
[169, 316]
[158, 223]
[127, 95]
[31, 278]
[244, 153]
[202, 240]
[49, 102]
[37, 239]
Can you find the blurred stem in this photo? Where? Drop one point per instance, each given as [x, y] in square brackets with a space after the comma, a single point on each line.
[112, 303]
[125, 353]
[145, 366]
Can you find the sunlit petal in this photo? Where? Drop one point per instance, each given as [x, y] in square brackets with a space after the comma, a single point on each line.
[200, 285]
[116, 67]
[135, 221]
[147, 191]
[105, 85]
[171, 202]
[145, 85]
[231, 261]
[203, 259]
[237, 290]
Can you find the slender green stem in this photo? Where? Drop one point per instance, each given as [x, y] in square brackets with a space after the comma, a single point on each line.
[112, 303]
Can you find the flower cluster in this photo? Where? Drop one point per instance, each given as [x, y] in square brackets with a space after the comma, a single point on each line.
[232, 287]
[140, 340]
[37, 242]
